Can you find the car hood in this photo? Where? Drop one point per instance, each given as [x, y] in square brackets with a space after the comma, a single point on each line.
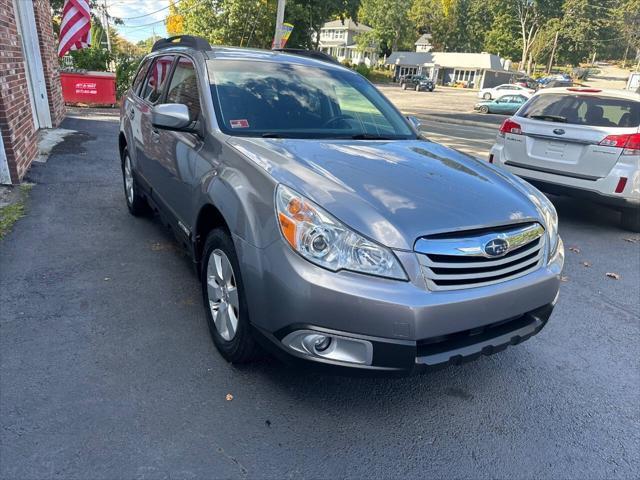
[394, 191]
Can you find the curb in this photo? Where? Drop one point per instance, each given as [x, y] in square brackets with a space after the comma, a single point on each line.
[456, 121]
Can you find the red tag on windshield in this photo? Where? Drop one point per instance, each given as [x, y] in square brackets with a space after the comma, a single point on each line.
[242, 123]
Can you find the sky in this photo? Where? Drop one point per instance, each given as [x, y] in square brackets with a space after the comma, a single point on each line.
[135, 29]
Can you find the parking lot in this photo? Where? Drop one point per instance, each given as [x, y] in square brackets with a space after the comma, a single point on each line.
[108, 370]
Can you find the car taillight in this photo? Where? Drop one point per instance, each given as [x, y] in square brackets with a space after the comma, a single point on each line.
[509, 126]
[630, 143]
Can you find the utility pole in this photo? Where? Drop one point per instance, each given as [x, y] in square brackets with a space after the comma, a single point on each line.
[553, 52]
[277, 38]
[105, 14]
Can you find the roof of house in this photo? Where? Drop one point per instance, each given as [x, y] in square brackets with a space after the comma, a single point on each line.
[348, 24]
[447, 59]
[425, 39]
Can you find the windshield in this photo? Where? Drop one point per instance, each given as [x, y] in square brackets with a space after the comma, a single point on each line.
[590, 110]
[269, 99]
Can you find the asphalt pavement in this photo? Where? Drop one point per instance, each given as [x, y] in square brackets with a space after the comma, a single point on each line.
[107, 370]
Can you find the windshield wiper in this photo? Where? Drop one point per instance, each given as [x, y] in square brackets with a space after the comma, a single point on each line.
[369, 136]
[551, 118]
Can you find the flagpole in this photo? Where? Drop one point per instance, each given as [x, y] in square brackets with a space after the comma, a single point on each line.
[106, 18]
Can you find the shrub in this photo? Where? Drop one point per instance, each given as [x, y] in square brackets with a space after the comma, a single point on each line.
[363, 70]
[126, 67]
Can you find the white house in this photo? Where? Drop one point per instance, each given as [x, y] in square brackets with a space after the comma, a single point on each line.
[423, 44]
[338, 39]
[475, 70]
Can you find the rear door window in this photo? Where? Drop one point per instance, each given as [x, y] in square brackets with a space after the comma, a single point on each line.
[140, 76]
[588, 110]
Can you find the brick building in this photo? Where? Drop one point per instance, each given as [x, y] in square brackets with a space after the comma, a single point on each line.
[30, 91]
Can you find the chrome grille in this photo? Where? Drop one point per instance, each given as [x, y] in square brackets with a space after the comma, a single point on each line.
[460, 260]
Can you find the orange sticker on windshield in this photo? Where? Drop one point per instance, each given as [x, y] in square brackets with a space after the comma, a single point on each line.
[242, 123]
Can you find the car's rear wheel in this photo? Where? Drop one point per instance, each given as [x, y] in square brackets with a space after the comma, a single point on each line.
[483, 109]
[224, 299]
[487, 96]
[136, 203]
[631, 219]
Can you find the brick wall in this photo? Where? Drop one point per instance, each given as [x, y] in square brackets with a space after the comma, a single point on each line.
[48, 52]
[16, 121]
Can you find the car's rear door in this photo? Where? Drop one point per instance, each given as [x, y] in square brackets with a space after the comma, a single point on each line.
[562, 133]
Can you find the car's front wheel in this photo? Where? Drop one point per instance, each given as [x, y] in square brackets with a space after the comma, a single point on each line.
[487, 96]
[136, 203]
[631, 219]
[224, 299]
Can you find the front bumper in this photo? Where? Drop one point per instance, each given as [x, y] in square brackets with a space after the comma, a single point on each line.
[410, 327]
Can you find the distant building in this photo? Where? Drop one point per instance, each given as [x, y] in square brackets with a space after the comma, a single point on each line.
[474, 70]
[423, 44]
[338, 39]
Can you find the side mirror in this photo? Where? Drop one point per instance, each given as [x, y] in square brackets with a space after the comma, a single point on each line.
[172, 116]
[415, 122]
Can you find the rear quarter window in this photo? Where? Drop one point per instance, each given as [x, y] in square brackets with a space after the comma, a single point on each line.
[588, 110]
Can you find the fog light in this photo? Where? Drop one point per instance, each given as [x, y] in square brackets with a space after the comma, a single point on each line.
[327, 346]
[322, 343]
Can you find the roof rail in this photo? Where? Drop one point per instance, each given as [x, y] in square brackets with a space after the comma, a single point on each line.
[308, 53]
[197, 43]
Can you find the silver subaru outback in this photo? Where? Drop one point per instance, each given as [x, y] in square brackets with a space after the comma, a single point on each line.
[323, 225]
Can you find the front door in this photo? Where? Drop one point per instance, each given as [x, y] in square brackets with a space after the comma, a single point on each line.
[147, 137]
[178, 153]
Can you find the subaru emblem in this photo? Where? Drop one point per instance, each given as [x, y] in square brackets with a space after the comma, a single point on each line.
[496, 247]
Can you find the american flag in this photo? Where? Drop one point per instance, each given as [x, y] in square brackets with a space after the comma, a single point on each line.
[75, 26]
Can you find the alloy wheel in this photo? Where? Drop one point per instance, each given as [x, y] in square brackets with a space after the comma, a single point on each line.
[222, 293]
[128, 180]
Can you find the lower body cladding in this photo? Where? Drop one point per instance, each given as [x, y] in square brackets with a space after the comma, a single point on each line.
[348, 321]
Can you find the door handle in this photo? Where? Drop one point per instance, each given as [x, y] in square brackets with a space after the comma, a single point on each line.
[132, 113]
[155, 135]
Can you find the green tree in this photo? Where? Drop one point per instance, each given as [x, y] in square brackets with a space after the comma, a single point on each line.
[585, 24]
[308, 16]
[389, 23]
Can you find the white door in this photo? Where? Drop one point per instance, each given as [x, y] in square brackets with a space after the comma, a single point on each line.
[34, 71]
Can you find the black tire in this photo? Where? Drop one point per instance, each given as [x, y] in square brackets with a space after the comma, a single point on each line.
[136, 203]
[487, 96]
[483, 109]
[630, 219]
[242, 347]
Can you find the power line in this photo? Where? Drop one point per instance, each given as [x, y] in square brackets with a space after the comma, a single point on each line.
[150, 13]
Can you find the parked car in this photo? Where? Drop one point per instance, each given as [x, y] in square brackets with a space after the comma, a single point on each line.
[526, 82]
[583, 142]
[507, 105]
[417, 83]
[505, 89]
[557, 83]
[322, 225]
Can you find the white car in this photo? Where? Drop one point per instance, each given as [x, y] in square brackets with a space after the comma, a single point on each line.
[583, 142]
[505, 89]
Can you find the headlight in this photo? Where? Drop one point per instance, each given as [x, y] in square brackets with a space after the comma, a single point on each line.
[551, 222]
[327, 242]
